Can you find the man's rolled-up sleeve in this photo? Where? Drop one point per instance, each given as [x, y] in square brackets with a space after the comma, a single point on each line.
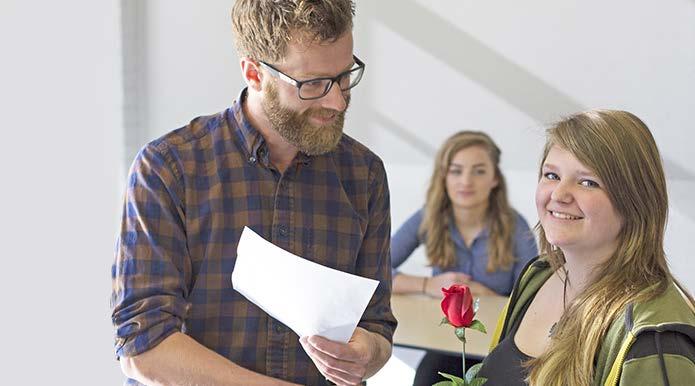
[374, 258]
[152, 265]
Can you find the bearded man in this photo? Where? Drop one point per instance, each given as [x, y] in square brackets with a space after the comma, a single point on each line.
[278, 162]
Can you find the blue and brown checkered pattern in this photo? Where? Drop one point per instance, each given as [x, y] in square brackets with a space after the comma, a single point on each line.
[188, 198]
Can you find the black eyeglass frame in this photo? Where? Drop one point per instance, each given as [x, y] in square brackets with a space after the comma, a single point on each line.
[298, 83]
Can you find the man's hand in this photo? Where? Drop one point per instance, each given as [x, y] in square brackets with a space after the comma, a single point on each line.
[346, 363]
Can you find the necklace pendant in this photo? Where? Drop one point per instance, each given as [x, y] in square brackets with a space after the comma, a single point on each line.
[551, 332]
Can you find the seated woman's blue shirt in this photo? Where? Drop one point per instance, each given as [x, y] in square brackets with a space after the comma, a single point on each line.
[469, 260]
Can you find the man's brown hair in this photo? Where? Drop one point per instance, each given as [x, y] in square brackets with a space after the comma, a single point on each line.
[263, 28]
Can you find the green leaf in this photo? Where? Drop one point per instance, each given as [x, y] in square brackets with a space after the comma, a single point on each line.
[461, 333]
[478, 381]
[472, 372]
[454, 379]
[444, 321]
[479, 326]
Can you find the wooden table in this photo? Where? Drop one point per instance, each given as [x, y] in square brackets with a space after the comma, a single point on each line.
[418, 325]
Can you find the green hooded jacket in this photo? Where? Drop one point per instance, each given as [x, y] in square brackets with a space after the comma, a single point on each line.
[652, 343]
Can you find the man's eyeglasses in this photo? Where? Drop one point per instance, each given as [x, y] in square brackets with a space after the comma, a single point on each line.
[319, 87]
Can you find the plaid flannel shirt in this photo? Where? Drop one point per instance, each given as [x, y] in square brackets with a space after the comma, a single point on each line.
[189, 195]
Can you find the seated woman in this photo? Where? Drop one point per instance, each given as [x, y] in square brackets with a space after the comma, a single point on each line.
[471, 234]
[599, 306]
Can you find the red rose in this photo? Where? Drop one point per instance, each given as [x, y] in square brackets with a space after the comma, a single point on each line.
[457, 305]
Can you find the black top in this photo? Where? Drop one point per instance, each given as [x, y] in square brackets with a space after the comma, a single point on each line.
[503, 366]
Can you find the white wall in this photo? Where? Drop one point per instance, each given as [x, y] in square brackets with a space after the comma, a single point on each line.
[61, 180]
[192, 66]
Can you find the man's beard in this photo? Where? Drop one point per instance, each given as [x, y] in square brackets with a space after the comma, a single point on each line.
[296, 128]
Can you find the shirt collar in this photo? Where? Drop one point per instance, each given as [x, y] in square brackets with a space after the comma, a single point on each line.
[251, 138]
[456, 235]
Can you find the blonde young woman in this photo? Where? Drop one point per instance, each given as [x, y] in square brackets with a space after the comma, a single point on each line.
[599, 306]
[472, 235]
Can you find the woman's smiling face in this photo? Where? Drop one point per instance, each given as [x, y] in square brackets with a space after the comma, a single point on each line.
[574, 208]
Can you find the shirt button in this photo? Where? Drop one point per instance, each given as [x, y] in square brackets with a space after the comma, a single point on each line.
[283, 230]
[278, 329]
[252, 160]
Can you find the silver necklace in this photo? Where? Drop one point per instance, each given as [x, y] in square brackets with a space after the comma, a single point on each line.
[551, 332]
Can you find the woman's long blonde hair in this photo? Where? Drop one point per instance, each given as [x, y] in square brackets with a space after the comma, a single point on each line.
[434, 229]
[619, 148]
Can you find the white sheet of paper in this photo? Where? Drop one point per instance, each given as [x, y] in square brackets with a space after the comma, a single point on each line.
[309, 298]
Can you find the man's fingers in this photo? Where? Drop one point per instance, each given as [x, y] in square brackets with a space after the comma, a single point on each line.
[339, 377]
[337, 371]
[336, 350]
[334, 363]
